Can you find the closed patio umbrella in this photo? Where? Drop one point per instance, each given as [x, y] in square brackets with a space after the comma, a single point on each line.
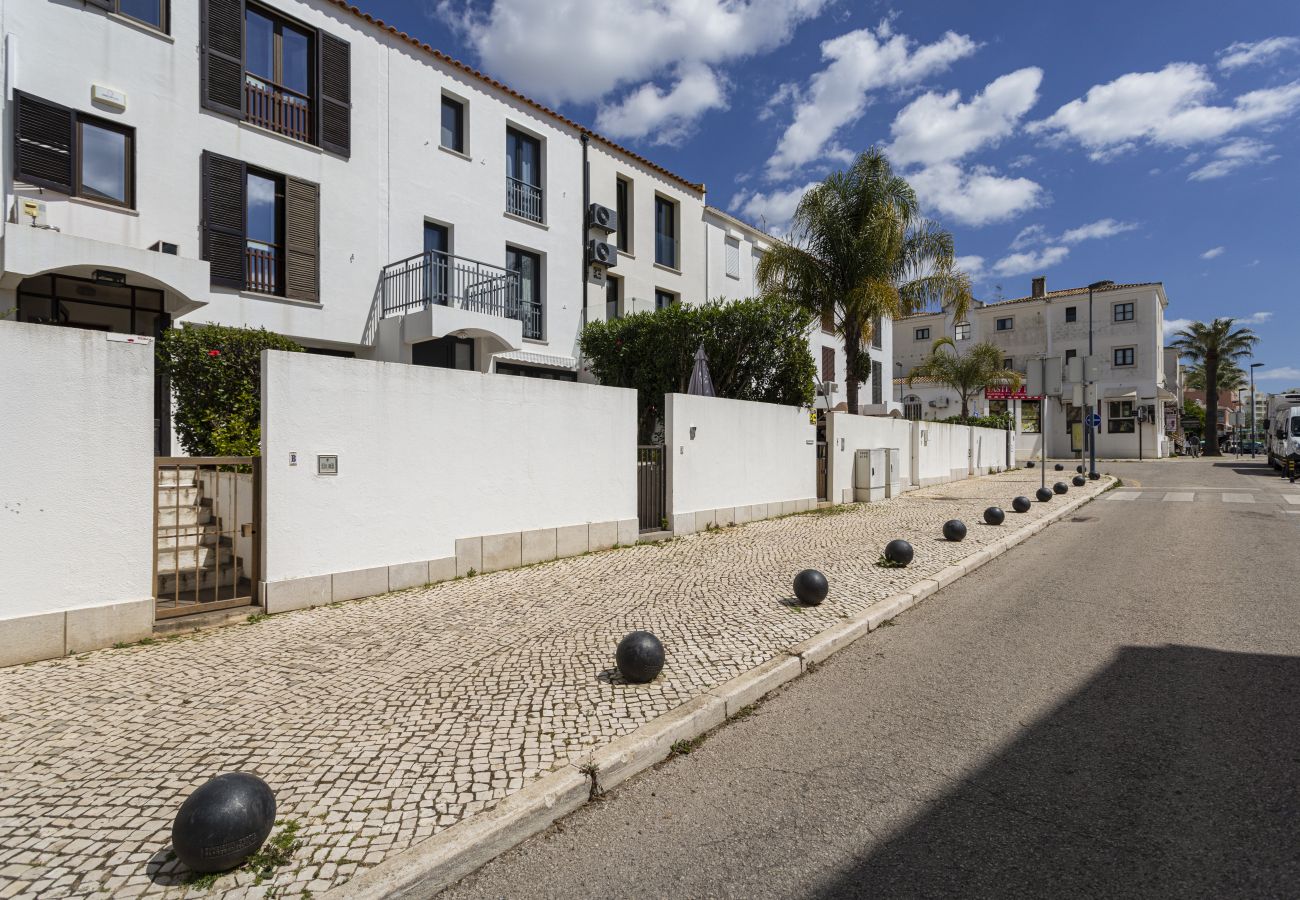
[701, 382]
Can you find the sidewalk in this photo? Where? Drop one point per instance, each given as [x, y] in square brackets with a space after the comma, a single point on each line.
[381, 722]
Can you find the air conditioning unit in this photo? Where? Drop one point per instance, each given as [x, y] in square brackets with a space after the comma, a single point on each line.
[826, 388]
[602, 254]
[602, 217]
[940, 403]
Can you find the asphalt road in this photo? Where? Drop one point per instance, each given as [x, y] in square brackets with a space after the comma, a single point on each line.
[1111, 709]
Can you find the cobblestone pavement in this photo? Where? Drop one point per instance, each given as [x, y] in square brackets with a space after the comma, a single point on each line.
[381, 722]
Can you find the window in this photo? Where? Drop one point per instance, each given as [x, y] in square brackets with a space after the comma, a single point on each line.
[535, 372]
[1030, 416]
[665, 232]
[275, 73]
[1121, 418]
[877, 389]
[912, 408]
[612, 286]
[623, 207]
[1070, 354]
[1123, 312]
[828, 320]
[73, 153]
[260, 230]
[877, 329]
[438, 264]
[1123, 356]
[529, 268]
[1004, 324]
[445, 353]
[523, 175]
[453, 124]
[1071, 314]
[961, 331]
[733, 258]
[828, 363]
[1008, 363]
[150, 12]
[921, 334]
[664, 299]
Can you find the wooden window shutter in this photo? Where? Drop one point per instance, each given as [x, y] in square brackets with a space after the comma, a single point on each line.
[43, 138]
[221, 43]
[828, 363]
[301, 240]
[334, 128]
[224, 241]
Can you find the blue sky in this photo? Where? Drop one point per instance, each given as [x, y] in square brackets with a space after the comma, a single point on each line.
[1134, 141]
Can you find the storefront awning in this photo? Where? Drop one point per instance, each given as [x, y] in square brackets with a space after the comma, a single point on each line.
[1121, 394]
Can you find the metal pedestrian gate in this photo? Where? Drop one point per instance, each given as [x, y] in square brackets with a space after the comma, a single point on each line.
[651, 482]
[823, 486]
[207, 527]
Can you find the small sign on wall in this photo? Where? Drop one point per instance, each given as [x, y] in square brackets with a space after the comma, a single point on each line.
[108, 96]
[327, 465]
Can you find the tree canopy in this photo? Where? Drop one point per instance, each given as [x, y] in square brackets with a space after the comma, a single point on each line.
[1211, 346]
[966, 373]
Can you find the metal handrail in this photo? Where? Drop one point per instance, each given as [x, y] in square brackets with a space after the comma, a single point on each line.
[523, 199]
[441, 279]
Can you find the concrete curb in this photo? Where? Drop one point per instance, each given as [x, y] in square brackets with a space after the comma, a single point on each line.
[447, 857]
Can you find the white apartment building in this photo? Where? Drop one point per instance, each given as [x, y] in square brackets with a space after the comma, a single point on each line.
[1127, 332]
[299, 166]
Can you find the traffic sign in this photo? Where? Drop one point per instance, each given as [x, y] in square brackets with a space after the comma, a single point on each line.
[1094, 420]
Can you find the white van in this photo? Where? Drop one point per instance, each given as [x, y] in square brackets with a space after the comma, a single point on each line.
[1283, 428]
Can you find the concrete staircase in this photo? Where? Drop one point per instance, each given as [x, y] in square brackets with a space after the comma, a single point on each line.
[193, 554]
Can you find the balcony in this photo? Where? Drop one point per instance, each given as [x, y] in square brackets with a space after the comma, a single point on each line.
[277, 109]
[523, 199]
[440, 279]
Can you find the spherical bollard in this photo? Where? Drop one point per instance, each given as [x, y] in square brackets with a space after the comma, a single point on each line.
[1059, 467]
[640, 657]
[995, 516]
[1078, 481]
[223, 822]
[1079, 469]
[810, 587]
[1020, 504]
[954, 530]
[1094, 475]
[1060, 487]
[899, 552]
[1029, 464]
[1043, 495]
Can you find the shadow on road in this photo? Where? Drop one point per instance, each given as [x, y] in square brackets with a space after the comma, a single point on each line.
[1174, 773]
[1245, 467]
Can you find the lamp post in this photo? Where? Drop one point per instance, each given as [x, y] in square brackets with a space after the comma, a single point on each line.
[1092, 363]
[1253, 367]
[899, 367]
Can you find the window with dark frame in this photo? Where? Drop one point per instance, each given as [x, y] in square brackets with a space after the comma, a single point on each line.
[877, 382]
[1004, 324]
[74, 153]
[264, 228]
[828, 364]
[1124, 312]
[1071, 314]
[1030, 415]
[664, 299]
[453, 124]
[623, 207]
[921, 334]
[1070, 354]
[1121, 418]
[524, 176]
[1123, 356]
[1008, 363]
[665, 232]
[528, 266]
[278, 69]
[147, 12]
[877, 331]
[828, 320]
[612, 297]
[961, 331]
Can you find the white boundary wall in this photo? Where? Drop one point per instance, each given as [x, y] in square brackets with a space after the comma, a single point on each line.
[76, 483]
[745, 461]
[439, 472]
[847, 433]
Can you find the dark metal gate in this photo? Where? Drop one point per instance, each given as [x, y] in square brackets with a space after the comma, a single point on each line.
[207, 531]
[823, 488]
[651, 506]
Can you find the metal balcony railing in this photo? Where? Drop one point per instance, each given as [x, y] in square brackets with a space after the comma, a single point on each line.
[523, 199]
[445, 280]
[277, 108]
[531, 315]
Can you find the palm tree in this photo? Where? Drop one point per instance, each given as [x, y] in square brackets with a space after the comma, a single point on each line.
[860, 251]
[1210, 347]
[1231, 377]
[968, 373]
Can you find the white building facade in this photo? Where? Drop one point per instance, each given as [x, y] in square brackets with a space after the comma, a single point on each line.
[1134, 394]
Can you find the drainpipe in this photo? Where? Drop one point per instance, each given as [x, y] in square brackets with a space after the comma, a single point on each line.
[586, 202]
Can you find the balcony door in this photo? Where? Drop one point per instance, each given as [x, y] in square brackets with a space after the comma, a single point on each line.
[437, 250]
[523, 176]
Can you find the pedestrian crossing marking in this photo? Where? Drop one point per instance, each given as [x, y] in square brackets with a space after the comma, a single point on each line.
[1179, 497]
[1125, 495]
[1292, 498]
[1238, 498]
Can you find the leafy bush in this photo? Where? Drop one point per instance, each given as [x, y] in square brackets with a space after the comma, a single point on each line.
[1002, 421]
[216, 380]
[757, 350]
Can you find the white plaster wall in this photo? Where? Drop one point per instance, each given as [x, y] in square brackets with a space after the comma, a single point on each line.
[743, 453]
[941, 453]
[847, 433]
[426, 456]
[989, 449]
[76, 504]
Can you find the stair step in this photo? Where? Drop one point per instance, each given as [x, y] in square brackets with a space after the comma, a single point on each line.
[191, 536]
[183, 558]
[178, 496]
[186, 476]
[205, 578]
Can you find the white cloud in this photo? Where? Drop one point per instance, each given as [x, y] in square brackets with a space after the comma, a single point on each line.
[786, 93]
[773, 210]
[975, 197]
[1173, 326]
[665, 117]
[937, 128]
[1028, 236]
[1166, 108]
[973, 266]
[1244, 53]
[1102, 228]
[581, 50]
[858, 63]
[1029, 261]
[1213, 252]
[1281, 373]
[1258, 318]
[1235, 154]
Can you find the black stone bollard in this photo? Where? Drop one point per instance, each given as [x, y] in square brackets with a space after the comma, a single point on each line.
[1079, 481]
[1079, 469]
[810, 586]
[1060, 487]
[954, 530]
[1043, 495]
[1020, 504]
[223, 822]
[1030, 464]
[1060, 468]
[995, 516]
[640, 657]
[899, 552]
[1094, 475]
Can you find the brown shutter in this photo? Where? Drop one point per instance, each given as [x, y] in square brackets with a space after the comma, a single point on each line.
[221, 44]
[43, 137]
[828, 363]
[301, 240]
[334, 129]
[224, 239]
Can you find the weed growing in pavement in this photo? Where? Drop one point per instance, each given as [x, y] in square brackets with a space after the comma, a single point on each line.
[836, 510]
[254, 618]
[202, 881]
[887, 623]
[684, 747]
[890, 564]
[276, 852]
[471, 573]
[746, 711]
[592, 771]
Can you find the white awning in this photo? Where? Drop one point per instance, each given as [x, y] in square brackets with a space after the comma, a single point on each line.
[1121, 394]
[540, 359]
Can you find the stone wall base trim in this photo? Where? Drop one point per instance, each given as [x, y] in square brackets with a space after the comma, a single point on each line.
[684, 523]
[63, 632]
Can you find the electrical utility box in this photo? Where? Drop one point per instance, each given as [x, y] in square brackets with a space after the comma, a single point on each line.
[876, 474]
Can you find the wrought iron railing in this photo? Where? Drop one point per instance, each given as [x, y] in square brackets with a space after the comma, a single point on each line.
[261, 268]
[530, 314]
[442, 279]
[277, 108]
[523, 199]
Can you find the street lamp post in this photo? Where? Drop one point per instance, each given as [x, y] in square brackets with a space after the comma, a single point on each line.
[1088, 406]
[1253, 367]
